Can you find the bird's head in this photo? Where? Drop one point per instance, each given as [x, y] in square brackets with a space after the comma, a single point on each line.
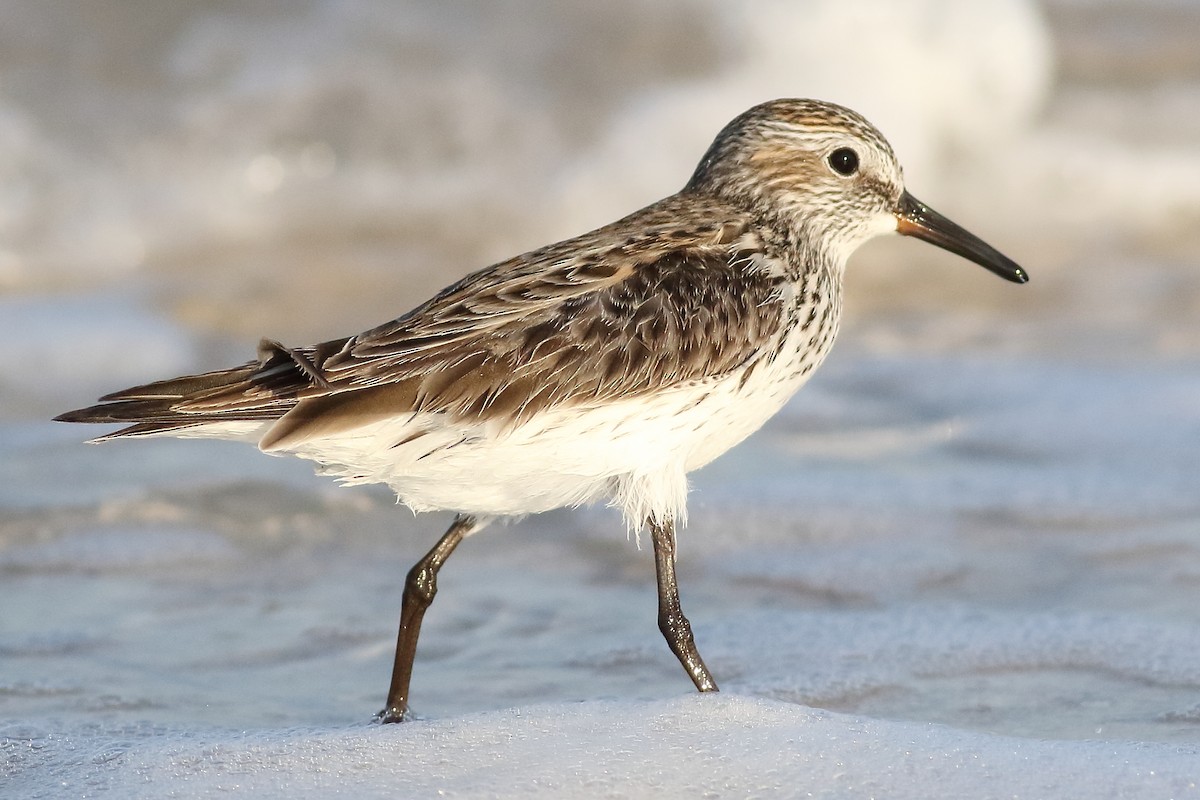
[825, 172]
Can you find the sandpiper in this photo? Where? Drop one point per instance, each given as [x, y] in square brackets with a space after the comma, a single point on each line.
[604, 367]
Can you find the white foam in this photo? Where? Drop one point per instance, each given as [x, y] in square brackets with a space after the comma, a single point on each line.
[690, 747]
[936, 77]
[294, 128]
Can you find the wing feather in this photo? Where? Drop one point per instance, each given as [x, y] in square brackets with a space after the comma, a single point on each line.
[639, 306]
[689, 314]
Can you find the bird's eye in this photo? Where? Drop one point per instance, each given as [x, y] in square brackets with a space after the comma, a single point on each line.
[844, 161]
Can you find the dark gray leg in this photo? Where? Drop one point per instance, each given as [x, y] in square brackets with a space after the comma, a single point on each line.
[671, 621]
[419, 590]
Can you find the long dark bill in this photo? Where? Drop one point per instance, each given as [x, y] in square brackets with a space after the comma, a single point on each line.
[914, 218]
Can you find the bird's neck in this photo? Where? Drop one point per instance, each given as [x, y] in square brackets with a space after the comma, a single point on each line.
[790, 230]
[810, 256]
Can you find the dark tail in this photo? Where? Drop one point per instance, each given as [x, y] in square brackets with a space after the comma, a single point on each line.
[261, 390]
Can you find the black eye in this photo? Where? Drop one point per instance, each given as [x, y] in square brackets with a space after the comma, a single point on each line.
[844, 161]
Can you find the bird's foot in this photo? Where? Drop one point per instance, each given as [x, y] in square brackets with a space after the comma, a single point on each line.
[392, 714]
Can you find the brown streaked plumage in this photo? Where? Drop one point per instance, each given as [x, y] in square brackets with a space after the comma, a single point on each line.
[651, 301]
[606, 366]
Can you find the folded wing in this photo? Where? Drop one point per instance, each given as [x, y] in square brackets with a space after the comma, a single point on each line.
[583, 321]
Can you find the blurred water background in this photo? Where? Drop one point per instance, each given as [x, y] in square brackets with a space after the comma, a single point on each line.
[983, 512]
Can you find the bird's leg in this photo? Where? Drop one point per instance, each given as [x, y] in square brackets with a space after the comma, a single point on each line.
[671, 621]
[419, 590]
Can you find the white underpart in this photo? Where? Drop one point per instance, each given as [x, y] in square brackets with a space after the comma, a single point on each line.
[635, 453]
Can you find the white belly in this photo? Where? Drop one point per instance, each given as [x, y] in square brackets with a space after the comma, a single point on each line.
[635, 453]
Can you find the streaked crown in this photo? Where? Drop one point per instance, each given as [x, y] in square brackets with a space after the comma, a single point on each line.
[813, 167]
